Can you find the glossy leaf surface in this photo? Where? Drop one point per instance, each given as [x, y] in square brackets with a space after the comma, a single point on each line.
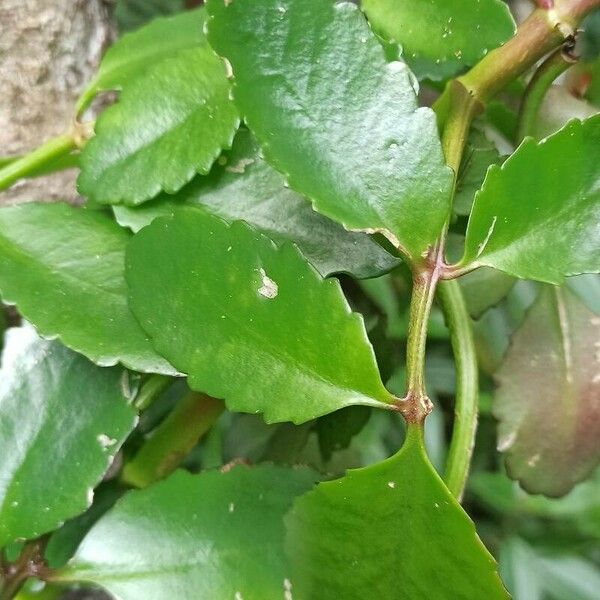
[548, 400]
[538, 216]
[254, 324]
[134, 53]
[346, 132]
[168, 125]
[388, 531]
[221, 537]
[439, 37]
[245, 188]
[62, 420]
[64, 269]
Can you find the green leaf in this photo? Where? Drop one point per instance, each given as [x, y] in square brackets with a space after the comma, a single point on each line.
[548, 400]
[134, 53]
[484, 288]
[538, 216]
[64, 269]
[221, 537]
[387, 531]
[479, 155]
[440, 37]
[243, 187]
[168, 125]
[62, 420]
[335, 117]
[253, 324]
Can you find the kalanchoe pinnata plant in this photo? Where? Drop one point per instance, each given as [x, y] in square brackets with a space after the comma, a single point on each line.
[248, 365]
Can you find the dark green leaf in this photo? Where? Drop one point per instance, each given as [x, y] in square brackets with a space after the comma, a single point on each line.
[479, 155]
[548, 402]
[135, 52]
[214, 535]
[484, 288]
[388, 531]
[62, 420]
[169, 124]
[337, 429]
[131, 14]
[538, 216]
[335, 117]
[64, 269]
[439, 37]
[243, 187]
[253, 324]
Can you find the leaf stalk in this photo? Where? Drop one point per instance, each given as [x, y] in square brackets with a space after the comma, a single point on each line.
[173, 439]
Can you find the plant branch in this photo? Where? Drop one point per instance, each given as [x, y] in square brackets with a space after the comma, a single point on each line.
[42, 157]
[173, 439]
[416, 405]
[467, 388]
[556, 64]
[150, 389]
[30, 563]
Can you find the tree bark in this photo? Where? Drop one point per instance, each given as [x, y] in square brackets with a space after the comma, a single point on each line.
[49, 49]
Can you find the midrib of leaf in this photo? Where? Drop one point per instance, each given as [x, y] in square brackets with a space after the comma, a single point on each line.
[567, 350]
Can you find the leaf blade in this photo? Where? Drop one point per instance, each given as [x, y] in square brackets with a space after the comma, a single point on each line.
[74, 290]
[43, 385]
[534, 220]
[151, 141]
[548, 397]
[135, 52]
[254, 324]
[406, 502]
[437, 37]
[221, 535]
[347, 134]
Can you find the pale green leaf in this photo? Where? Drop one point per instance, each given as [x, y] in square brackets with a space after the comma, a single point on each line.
[388, 531]
[168, 125]
[249, 322]
[134, 53]
[440, 37]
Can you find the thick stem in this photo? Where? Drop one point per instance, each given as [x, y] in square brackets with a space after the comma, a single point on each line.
[467, 388]
[539, 34]
[556, 64]
[150, 390]
[415, 406]
[29, 564]
[173, 439]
